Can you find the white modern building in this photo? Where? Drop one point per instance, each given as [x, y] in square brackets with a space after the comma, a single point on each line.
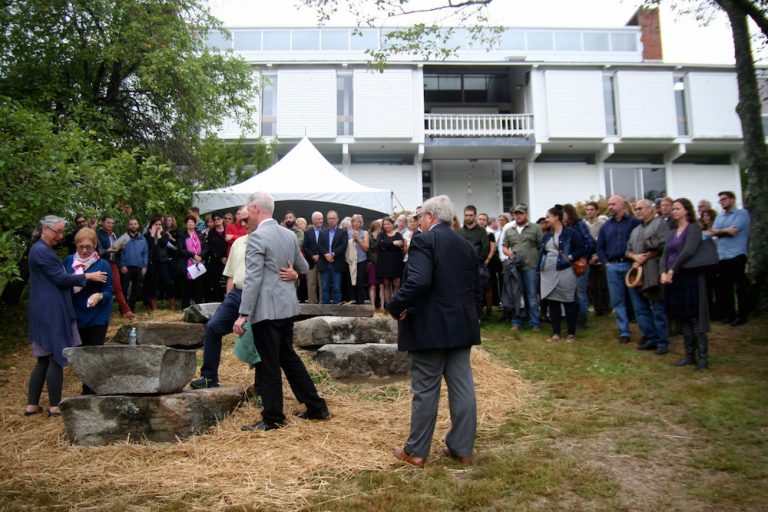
[545, 116]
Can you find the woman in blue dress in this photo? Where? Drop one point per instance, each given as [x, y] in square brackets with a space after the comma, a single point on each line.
[52, 325]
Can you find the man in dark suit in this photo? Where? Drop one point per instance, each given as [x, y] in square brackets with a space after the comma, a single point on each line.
[333, 244]
[269, 304]
[437, 306]
[313, 254]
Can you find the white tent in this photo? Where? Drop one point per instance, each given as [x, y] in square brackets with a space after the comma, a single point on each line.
[303, 181]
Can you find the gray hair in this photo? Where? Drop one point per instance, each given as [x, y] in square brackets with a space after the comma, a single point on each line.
[315, 214]
[346, 223]
[262, 200]
[49, 220]
[441, 207]
[646, 202]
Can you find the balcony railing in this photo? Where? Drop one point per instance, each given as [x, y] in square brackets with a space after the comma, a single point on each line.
[478, 125]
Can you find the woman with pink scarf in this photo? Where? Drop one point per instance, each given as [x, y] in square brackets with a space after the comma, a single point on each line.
[93, 302]
[192, 250]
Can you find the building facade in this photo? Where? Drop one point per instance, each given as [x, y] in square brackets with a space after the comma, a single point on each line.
[544, 116]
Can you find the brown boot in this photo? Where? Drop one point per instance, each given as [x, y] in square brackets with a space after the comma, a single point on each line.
[153, 304]
[172, 303]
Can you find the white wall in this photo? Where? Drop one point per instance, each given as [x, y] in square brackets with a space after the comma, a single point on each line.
[697, 182]
[561, 183]
[646, 104]
[384, 103]
[403, 180]
[306, 103]
[537, 91]
[575, 106]
[712, 98]
[465, 184]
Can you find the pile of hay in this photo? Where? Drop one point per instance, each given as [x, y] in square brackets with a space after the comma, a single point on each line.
[225, 467]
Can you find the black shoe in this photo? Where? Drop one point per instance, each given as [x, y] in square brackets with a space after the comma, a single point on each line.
[319, 414]
[661, 350]
[647, 346]
[262, 425]
[203, 383]
[737, 322]
[624, 339]
[727, 320]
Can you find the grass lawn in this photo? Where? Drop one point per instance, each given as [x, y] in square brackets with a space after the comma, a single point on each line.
[602, 427]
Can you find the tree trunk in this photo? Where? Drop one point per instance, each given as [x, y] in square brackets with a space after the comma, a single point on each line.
[750, 115]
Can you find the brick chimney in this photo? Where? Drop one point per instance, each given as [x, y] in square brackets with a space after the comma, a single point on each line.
[648, 21]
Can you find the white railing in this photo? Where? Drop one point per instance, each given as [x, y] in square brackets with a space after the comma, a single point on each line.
[478, 125]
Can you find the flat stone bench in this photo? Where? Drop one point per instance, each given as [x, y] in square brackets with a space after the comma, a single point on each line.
[124, 369]
[324, 330]
[201, 313]
[362, 360]
[181, 335]
[100, 420]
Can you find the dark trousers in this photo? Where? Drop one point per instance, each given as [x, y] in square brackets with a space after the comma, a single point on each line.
[555, 314]
[92, 336]
[361, 285]
[158, 282]
[215, 291]
[597, 289]
[274, 342]
[132, 280]
[192, 290]
[47, 371]
[731, 273]
[217, 327]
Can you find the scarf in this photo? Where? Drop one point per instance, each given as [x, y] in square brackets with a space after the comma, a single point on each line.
[79, 266]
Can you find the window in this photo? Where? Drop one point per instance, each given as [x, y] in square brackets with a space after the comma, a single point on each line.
[512, 40]
[344, 104]
[248, 40]
[269, 104]
[609, 100]
[596, 42]
[335, 40]
[277, 40]
[507, 190]
[568, 41]
[623, 42]
[218, 40]
[636, 182]
[306, 40]
[426, 184]
[467, 88]
[539, 40]
[365, 39]
[680, 106]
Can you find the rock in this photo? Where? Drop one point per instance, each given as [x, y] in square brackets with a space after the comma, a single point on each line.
[361, 360]
[170, 334]
[122, 369]
[200, 313]
[99, 420]
[324, 330]
[348, 310]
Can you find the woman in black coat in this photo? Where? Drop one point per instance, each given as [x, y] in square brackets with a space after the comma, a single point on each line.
[191, 249]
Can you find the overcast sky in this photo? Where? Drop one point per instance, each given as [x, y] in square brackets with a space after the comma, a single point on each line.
[684, 40]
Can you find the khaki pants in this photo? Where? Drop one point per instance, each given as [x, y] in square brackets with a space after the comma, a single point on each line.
[313, 285]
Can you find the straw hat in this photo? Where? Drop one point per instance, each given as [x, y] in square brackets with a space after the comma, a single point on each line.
[634, 277]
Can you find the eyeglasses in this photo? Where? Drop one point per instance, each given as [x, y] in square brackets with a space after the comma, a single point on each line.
[85, 246]
[58, 232]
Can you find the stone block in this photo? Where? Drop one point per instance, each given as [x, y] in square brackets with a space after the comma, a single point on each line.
[347, 310]
[181, 335]
[100, 420]
[324, 330]
[123, 369]
[363, 360]
[200, 313]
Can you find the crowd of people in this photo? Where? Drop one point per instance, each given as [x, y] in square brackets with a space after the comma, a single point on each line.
[663, 264]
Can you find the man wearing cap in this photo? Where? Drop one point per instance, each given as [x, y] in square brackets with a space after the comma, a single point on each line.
[612, 249]
[521, 246]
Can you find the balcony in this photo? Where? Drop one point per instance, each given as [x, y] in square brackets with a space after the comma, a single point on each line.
[478, 125]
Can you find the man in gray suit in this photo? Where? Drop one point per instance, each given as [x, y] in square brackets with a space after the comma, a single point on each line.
[437, 306]
[270, 304]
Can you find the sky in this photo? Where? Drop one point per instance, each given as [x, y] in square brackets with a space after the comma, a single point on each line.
[684, 39]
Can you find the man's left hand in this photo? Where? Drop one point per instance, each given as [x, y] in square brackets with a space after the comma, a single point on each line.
[288, 273]
[238, 327]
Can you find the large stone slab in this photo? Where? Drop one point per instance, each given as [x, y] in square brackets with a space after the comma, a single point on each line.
[100, 420]
[324, 330]
[169, 334]
[200, 313]
[362, 360]
[123, 369]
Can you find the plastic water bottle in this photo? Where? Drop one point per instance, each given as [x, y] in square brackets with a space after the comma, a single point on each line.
[132, 337]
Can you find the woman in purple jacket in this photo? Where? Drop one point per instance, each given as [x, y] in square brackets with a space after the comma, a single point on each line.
[52, 321]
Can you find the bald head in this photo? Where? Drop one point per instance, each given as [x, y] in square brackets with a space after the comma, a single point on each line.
[617, 206]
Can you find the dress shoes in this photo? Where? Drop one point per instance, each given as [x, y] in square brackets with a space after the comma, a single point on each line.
[624, 339]
[661, 350]
[413, 460]
[647, 346]
[319, 414]
[262, 425]
[467, 461]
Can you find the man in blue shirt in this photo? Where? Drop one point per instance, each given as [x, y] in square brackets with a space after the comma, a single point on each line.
[332, 246]
[134, 259]
[732, 230]
[611, 250]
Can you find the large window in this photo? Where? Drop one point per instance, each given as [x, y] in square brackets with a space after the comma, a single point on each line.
[466, 88]
[636, 182]
[269, 104]
[680, 106]
[345, 124]
[426, 184]
[507, 189]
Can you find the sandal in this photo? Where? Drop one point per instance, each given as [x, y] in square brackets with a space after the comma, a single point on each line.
[32, 413]
[552, 339]
[570, 338]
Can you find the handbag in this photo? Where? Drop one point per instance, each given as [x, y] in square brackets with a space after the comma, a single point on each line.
[244, 348]
[705, 255]
[580, 266]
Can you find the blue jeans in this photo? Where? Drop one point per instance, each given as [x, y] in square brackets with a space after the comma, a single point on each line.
[531, 290]
[615, 273]
[581, 296]
[331, 279]
[651, 317]
[217, 327]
